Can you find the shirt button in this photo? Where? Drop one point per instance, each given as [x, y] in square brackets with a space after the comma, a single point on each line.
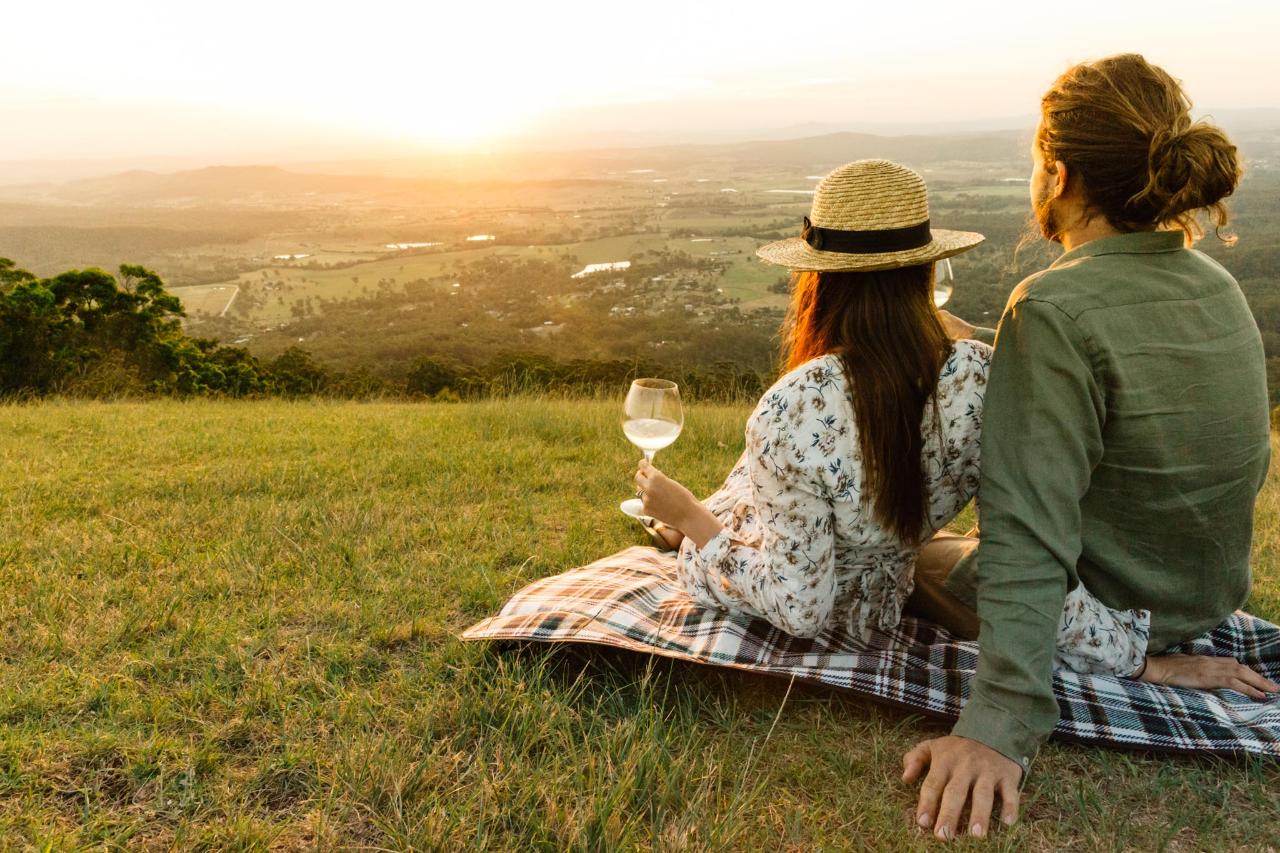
[1026, 760]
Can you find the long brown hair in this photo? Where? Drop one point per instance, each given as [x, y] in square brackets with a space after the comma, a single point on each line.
[1124, 126]
[890, 339]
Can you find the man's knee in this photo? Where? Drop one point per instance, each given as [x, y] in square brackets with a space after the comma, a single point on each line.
[940, 555]
[932, 598]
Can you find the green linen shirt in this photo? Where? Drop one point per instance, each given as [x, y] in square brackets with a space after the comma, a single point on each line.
[1125, 439]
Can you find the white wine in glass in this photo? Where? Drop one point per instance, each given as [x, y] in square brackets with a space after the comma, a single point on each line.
[651, 419]
[944, 281]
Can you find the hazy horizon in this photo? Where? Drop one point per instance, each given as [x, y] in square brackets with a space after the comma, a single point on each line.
[140, 81]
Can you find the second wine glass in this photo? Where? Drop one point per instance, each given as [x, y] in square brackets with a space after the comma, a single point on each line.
[944, 281]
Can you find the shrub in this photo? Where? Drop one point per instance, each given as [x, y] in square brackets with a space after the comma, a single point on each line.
[430, 376]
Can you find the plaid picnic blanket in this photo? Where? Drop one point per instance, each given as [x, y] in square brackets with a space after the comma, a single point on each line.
[632, 600]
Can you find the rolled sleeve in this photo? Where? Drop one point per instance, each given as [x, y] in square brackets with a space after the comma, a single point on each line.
[984, 335]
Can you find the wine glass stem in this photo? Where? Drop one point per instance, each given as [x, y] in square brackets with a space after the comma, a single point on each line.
[648, 456]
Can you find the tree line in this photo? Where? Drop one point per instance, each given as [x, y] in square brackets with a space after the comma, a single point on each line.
[89, 333]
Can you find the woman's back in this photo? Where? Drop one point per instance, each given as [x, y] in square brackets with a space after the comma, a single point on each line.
[797, 496]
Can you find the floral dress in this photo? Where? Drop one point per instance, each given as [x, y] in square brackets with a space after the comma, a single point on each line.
[801, 546]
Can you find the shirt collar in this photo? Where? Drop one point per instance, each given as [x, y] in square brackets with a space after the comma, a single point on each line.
[1136, 243]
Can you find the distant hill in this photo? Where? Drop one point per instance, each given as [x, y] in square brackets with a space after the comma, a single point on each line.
[309, 181]
[242, 185]
[1256, 131]
[810, 152]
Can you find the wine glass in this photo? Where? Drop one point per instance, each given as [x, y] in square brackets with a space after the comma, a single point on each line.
[651, 419]
[944, 281]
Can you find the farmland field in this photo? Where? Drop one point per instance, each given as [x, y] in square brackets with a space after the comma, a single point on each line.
[213, 299]
[745, 277]
[359, 270]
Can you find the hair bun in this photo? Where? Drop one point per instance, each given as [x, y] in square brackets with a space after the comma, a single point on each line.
[1166, 144]
[1124, 127]
[1190, 167]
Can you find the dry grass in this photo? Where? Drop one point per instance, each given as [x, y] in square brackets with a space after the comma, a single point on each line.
[231, 626]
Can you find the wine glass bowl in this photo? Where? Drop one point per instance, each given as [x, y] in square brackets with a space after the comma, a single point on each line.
[944, 281]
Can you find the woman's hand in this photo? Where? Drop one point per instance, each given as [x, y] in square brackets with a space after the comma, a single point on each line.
[663, 498]
[1207, 673]
[675, 506]
[956, 329]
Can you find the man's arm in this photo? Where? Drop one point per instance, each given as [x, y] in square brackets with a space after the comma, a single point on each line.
[1042, 438]
[959, 330]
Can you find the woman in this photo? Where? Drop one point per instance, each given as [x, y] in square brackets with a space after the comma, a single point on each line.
[867, 446]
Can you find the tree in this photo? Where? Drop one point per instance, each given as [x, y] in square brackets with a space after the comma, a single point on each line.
[63, 329]
[10, 275]
[430, 376]
[295, 373]
[31, 331]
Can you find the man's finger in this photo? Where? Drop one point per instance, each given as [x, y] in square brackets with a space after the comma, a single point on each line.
[980, 805]
[931, 796]
[1257, 679]
[915, 762]
[1241, 686]
[1010, 796]
[953, 802]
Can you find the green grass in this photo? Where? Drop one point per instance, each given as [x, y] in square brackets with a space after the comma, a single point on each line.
[232, 626]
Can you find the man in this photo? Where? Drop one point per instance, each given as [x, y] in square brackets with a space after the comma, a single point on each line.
[1126, 432]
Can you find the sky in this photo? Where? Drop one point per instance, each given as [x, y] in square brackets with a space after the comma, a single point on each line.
[236, 79]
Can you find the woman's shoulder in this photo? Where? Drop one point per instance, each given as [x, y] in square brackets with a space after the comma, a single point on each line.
[818, 389]
[963, 381]
[812, 389]
[968, 357]
[803, 429]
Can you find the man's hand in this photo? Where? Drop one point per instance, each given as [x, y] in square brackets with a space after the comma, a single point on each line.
[1208, 673]
[961, 771]
[956, 329]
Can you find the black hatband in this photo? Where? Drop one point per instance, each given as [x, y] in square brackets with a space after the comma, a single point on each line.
[866, 242]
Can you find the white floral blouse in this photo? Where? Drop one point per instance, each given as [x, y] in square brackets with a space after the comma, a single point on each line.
[801, 546]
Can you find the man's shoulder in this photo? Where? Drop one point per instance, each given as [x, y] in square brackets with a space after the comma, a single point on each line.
[1115, 280]
[1064, 288]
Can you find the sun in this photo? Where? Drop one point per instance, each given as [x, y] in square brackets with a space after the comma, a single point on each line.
[453, 118]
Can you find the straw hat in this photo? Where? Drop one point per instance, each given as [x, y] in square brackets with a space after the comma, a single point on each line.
[868, 215]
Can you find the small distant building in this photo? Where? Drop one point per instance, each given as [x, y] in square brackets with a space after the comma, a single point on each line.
[591, 269]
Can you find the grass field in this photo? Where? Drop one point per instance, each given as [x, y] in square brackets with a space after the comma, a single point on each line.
[212, 299]
[232, 626]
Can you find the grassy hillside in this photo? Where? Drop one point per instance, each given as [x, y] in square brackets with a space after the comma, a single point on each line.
[231, 626]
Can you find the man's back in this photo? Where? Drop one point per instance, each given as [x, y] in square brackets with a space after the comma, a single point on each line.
[1167, 519]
